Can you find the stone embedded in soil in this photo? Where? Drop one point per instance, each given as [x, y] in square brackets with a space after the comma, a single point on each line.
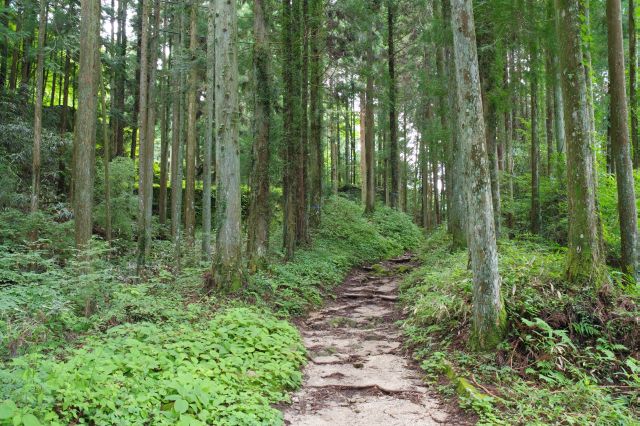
[382, 410]
[358, 374]
[386, 372]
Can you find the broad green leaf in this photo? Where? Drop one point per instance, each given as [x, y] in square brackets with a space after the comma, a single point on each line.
[7, 409]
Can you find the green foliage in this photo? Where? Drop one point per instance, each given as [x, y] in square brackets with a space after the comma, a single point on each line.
[553, 201]
[227, 370]
[16, 144]
[346, 238]
[569, 355]
[124, 203]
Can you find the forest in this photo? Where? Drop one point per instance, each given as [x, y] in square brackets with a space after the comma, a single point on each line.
[319, 212]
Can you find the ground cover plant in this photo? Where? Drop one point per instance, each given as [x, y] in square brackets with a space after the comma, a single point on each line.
[570, 355]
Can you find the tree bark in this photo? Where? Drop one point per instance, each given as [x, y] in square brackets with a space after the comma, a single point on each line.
[105, 160]
[37, 121]
[627, 212]
[633, 100]
[535, 212]
[585, 261]
[548, 98]
[4, 20]
[394, 156]
[259, 209]
[164, 141]
[209, 136]
[363, 149]
[489, 317]
[120, 81]
[458, 202]
[302, 201]
[136, 94]
[147, 125]
[291, 119]
[192, 136]
[85, 123]
[227, 264]
[316, 160]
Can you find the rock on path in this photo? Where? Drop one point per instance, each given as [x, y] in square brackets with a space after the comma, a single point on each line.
[358, 372]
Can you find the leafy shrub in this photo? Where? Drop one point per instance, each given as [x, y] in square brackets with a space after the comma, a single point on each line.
[124, 202]
[571, 355]
[346, 238]
[225, 371]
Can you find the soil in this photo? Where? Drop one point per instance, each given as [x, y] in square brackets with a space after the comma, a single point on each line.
[358, 371]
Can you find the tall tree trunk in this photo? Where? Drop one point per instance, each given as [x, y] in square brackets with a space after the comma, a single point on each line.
[143, 38]
[192, 136]
[164, 134]
[15, 57]
[535, 212]
[105, 159]
[208, 139]
[65, 93]
[489, 317]
[85, 135]
[425, 215]
[363, 149]
[369, 130]
[548, 98]
[585, 257]
[176, 130]
[259, 209]
[633, 100]
[291, 111]
[120, 80]
[394, 155]
[147, 116]
[37, 121]
[302, 216]
[627, 211]
[4, 20]
[348, 160]
[54, 79]
[316, 160]
[458, 202]
[370, 189]
[335, 147]
[227, 262]
[136, 95]
[558, 107]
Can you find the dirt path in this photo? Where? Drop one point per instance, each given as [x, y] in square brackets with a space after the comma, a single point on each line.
[358, 372]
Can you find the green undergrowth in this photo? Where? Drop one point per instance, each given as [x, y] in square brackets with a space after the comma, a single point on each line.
[571, 354]
[89, 342]
[345, 239]
[226, 371]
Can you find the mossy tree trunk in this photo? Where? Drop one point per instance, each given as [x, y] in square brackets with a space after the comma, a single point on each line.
[457, 226]
[37, 120]
[259, 210]
[208, 138]
[227, 263]
[316, 160]
[84, 141]
[489, 318]
[535, 212]
[394, 154]
[585, 260]
[192, 131]
[633, 84]
[627, 212]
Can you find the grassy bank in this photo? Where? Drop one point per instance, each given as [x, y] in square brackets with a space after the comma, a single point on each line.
[571, 355]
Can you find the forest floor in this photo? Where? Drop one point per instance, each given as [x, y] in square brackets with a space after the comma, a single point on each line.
[359, 373]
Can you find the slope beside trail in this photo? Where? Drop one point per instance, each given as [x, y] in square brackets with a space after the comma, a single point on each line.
[358, 371]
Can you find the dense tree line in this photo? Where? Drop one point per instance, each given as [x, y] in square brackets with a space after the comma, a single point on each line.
[454, 111]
